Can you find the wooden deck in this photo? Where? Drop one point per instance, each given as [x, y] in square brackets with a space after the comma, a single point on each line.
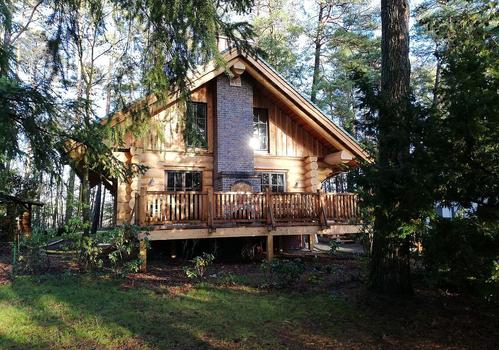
[199, 215]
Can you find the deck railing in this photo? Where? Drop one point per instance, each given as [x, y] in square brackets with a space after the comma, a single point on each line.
[234, 208]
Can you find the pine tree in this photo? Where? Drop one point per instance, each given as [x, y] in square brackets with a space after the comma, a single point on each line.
[390, 261]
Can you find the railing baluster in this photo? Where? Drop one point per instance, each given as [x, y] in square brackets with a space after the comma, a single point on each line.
[157, 207]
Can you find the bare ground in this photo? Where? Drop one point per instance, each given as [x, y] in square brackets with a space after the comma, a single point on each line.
[431, 319]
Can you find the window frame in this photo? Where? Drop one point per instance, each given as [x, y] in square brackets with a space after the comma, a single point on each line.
[258, 122]
[271, 185]
[196, 120]
[183, 180]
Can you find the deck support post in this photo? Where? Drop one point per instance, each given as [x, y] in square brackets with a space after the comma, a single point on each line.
[143, 255]
[311, 242]
[270, 247]
[142, 212]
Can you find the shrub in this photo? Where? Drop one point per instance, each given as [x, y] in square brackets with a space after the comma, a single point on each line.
[282, 273]
[462, 254]
[90, 254]
[32, 256]
[201, 263]
[333, 246]
[124, 245]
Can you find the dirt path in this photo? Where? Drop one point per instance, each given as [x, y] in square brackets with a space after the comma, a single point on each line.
[5, 271]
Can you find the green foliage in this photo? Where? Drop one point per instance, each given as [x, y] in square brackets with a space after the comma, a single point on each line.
[462, 130]
[333, 246]
[31, 254]
[348, 42]
[282, 273]
[51, 112]
[91, 254]
[201, 263]
[461, 151]
[462, 254]
[115, 250]
[125, 245]
[277, 32]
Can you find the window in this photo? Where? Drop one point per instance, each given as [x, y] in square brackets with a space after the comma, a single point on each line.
[274, 181]
[261, 128]
[196, 125]
[183, 181]
[336, 184]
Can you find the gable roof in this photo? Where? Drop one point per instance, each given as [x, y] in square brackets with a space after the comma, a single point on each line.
[268, 77]
[262, 72]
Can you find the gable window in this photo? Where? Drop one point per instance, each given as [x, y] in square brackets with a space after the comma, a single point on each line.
[273, 181]
[261, 128]
[183, 181]
[196, 125]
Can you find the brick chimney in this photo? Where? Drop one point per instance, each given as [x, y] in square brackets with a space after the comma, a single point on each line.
[233, 155]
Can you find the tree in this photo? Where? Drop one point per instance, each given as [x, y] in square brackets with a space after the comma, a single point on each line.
[341, 37]
[336, 26]
[461, 151]
[462, 131]
[161, 41]
[390, 261]
[277, 32]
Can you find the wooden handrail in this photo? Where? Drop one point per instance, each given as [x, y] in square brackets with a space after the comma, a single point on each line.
[213, 208]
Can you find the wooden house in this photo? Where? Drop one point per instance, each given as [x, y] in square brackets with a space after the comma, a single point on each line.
[15, 216]
[244, 157]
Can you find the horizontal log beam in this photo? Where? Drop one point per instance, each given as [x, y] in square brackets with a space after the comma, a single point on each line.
[340, 157]
[199, 233]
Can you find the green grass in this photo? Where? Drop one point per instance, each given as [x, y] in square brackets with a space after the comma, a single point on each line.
[89, 313]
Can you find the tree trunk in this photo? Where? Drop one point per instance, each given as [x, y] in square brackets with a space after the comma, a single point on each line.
[85, 199]
[70, 196]
[59, 216]
[97, 210]
[103, 205]
[317, 55]
[436, 85]
[390, 264]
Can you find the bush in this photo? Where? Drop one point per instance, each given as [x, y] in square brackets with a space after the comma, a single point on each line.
[333, 246]
[32, 256]
[115, 250]
[282, 273]
[462, 254]
[125, 245]
[201, 263]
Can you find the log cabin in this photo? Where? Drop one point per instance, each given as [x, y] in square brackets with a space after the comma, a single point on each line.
[244, 156]
[15, 216]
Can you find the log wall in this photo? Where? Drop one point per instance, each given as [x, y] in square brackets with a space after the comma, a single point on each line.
[292, 150]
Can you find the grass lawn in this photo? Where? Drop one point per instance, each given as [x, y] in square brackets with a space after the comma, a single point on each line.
[79, 312]
[84, 312]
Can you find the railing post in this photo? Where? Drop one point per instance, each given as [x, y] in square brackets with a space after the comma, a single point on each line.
[135, 211]
[270, 212]
[210, 209]
[322, 211]
[142, 212]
